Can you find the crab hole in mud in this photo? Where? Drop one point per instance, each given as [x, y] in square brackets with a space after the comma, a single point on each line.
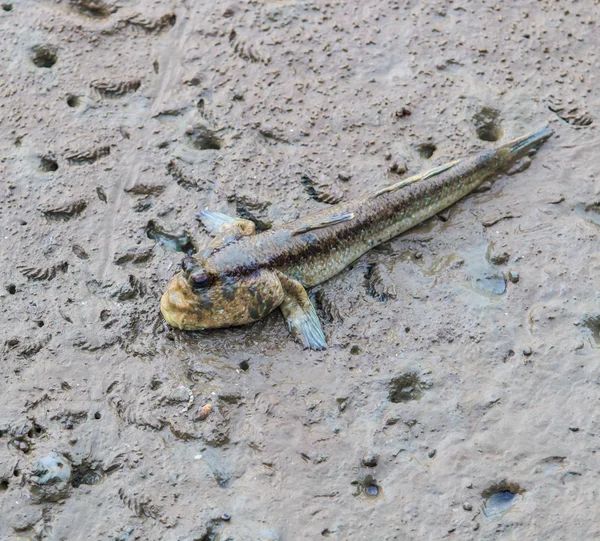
[73, 101]
[11, 288]
[44, 56]
[7, 7]
[407, 387]
[48, 164]
[4, 485]
[426, 150]
[499, 498]
[488, 124]
[97, 415]
[244, 365]
[35, 431]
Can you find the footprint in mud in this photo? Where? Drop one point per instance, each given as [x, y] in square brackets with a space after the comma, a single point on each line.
[203, 138]
[499, 498]
[488, 124]
[407, 387]
[179, 241]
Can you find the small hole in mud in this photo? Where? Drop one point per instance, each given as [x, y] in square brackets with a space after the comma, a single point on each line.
[73, 101]
[244, 365]
[39, 323]
[48, 164]
[488, 124]
[426, 150]
[7, 7]
[407, 387]
[11, 288]
[3, 485]
[44, 56]
[97, 415]
[16, 472]
[203, 138]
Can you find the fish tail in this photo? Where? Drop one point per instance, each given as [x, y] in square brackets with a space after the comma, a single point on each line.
[522, 145]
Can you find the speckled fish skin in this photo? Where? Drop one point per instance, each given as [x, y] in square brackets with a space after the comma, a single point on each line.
[250, 275]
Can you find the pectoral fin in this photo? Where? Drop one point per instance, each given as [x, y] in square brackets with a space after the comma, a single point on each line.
[225, 227]
[300, 314]
[217, 222]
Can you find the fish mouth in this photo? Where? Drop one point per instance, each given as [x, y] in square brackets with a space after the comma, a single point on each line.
[178, 305]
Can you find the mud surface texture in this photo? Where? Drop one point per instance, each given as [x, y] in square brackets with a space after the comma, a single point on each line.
[459, 395]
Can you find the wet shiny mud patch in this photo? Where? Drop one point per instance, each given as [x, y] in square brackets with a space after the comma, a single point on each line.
[407, 387]
[179, 241]
[499, 498]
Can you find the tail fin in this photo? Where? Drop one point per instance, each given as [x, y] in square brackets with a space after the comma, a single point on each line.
[522, 145]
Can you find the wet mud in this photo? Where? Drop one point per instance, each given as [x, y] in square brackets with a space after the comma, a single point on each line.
[458, 397]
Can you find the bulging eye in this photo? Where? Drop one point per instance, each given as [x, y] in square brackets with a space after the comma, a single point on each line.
[189, 264]
[200, 280]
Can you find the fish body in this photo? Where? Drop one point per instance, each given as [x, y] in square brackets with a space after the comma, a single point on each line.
[243, 276]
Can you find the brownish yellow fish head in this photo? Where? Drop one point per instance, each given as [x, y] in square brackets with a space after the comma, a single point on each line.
[199, 297]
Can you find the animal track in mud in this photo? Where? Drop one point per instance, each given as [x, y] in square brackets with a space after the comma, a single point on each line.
[203, 138]
[94, 9]
[67, 211]
[246, 51]
[180, 177]
[88, 156]
[380, 284]
[488, 124]
[252, 209]
[571, 113]
[141, 506]
[426, 150]
[48, 164]
[115, 89]
[47, 273]
[146, 189]
[44, 56]
[151, 26]
[135, 256]
[407, 387]
[27, 348]
[324, 193]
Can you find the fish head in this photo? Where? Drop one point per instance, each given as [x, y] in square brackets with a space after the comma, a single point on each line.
[202, 297]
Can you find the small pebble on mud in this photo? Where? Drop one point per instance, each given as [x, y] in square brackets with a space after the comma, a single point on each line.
[342, 175]
[404, 111]
[370, 461]
[225, 517]
[513, 276]
[527, 351]
[467, 506]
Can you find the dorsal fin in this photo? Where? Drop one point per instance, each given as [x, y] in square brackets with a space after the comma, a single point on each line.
[421, 176]
[332, 220]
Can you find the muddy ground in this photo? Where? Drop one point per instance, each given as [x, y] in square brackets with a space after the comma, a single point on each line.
[464, 356]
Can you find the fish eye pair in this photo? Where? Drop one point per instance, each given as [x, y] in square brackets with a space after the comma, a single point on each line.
[198, 278]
